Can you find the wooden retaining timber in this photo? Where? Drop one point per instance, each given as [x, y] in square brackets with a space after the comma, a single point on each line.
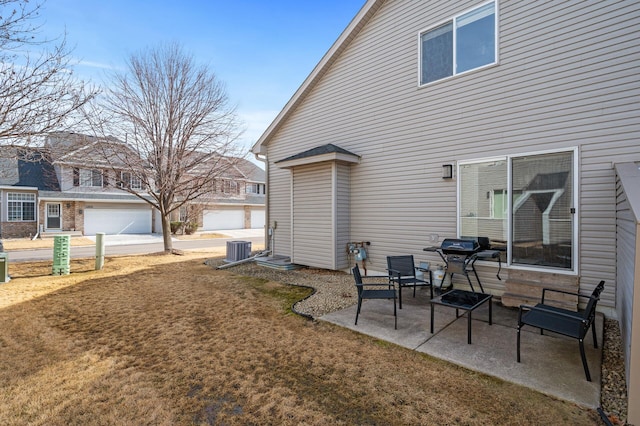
[525, 287]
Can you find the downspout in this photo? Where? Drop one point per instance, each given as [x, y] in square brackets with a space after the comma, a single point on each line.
[267, 221]
[38, 216]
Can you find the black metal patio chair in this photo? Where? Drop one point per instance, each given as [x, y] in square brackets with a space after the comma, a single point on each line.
[563, 321]
[374, 290]
[402, 271]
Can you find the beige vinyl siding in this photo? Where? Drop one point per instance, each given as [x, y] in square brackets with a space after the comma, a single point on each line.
[342, 222]
[567, 77]
[313, 234]
[628, 274]
[626, 237]
[280, 209]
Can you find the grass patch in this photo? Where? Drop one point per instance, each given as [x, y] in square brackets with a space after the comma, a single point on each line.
[169, 340]
[287, 295]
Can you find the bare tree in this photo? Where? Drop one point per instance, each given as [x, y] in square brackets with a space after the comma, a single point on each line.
[37, 94]
[175, 115]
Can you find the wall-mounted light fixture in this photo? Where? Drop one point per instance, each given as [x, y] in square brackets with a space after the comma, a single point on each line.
[447, 171]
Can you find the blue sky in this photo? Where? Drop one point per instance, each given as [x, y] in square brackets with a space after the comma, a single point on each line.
[261, 49]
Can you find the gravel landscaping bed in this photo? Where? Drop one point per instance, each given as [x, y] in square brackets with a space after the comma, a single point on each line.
[335, 290]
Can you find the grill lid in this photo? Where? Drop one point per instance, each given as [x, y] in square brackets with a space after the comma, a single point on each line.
[459, 246]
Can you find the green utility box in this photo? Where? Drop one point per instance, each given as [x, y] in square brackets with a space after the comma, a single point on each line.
[4, 268]
[61, 254]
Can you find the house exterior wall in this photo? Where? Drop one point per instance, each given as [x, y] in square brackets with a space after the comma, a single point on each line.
[633, 368]
[628, 276]
[16, 229]
[342, 221]
[566, 78]
[69, 212]
[313, 218]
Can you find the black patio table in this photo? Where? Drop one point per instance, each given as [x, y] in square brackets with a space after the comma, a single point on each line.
[462, 300]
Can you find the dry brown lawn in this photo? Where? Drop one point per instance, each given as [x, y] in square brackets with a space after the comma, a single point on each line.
[168, 340]
[12, 244]
[29, 244]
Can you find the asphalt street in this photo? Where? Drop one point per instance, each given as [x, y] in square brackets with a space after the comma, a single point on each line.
[135, 247]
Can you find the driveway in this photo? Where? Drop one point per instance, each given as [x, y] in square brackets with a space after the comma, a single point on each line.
[133, 244]
[132, 239]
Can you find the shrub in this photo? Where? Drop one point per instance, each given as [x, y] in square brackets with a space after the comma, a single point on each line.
[175, 226]
[190, 228]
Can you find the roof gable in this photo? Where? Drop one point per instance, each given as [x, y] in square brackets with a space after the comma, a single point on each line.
[359, 21]
[36, 171]
[329, 152]
[27, 168]
[251, 171]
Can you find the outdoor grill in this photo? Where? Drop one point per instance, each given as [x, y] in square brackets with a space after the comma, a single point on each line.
[461, 254]
[455, 246]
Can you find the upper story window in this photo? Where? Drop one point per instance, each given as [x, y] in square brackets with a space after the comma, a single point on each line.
[466, 42]
[21, 207]
[128, 180]
[230, 187]
[255, 188]
[87, 177]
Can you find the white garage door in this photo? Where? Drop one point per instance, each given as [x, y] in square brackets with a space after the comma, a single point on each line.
[223, 219]
[117, 220]
[257, 219]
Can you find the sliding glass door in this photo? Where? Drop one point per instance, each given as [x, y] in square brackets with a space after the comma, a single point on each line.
[524, 205]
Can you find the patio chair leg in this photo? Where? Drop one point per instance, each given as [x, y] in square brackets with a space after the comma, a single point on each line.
[395, 315]
[518, 345]
[399, 296]
[593, 330]
[584, 360]
[470, 284]
[358, 311]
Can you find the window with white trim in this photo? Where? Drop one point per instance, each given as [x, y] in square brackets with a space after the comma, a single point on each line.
[523, 204]
[255, 188]
[128, 180]
[466, 42]
[230, 187]
[21, 207]
[90, 177]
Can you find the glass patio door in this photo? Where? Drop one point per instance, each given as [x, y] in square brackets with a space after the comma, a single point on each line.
[542, 210]
[524, 205]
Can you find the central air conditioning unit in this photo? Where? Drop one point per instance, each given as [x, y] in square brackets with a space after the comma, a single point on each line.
[238, 250]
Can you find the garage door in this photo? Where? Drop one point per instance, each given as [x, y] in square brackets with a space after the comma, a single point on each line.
[257, 219]
[217, 219]
[117, 220]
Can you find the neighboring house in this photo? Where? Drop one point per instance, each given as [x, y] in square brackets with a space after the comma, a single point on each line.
[236, 200]
[23, 174]
[72, 190]
[500, 119]
[89, 200]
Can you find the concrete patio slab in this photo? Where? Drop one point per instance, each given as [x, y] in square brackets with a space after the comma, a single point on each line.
[550, 363]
